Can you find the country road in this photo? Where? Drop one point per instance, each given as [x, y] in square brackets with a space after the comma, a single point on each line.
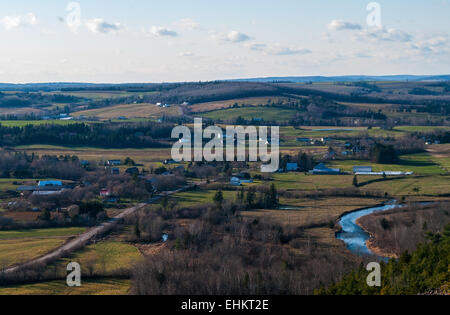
[82, 239]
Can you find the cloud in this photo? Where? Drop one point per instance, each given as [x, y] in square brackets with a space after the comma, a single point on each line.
[236, 37]
[341, 25]
[186, 54]
[438, 44]
[101, 26]
[384, 34]
[160, 31]
[11, 22]
[278, 49]
[189, 24]
[231, 37]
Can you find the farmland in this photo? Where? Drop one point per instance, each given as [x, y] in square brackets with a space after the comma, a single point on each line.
[266, 113]
[130, 111]
[318, 124]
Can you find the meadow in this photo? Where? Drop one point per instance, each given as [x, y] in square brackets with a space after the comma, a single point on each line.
[20, 250]
[88, 287]
[104, 257]
[141, 110]
[38, 233]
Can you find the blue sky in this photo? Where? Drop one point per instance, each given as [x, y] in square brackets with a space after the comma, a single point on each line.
[191, 40]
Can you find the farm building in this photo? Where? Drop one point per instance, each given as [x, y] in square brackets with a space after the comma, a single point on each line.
[291, 167]
[235, 181]
[321, 169]
[362, 169]
[50, 183]
[105, 192]
[114, 162]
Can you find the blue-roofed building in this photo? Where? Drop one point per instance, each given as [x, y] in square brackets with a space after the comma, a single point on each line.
[50, 183]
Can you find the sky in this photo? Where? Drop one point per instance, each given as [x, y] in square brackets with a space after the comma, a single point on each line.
[198, 40]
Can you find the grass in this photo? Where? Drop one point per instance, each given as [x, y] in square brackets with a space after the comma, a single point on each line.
[192, 198]
[105, 257]
[143, 110]
[23, 123]
[88, 287]
[300, 181]
[420, 163]
[41, 233]
[265, 112]
[16, 251]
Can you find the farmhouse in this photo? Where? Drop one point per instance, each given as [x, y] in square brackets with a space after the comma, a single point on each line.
[105, 192]
[321, 169]
[113, 162]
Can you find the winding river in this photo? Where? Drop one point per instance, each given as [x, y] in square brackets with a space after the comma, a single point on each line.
[353, 235]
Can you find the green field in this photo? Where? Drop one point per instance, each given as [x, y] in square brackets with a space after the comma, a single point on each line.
[16, 251]
[420, 163]
[88, 287]
[192, 198]
[105, 257]
[23, 123]
[41, 233]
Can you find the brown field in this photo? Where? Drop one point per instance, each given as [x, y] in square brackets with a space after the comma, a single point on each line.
[130, 111]
[440, 150]
[20, 111]
[144, 156]
[251, 101]
[20, 216]
[313, 211]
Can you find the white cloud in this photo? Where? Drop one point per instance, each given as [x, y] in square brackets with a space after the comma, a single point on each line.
[278, 49]
[11, 22]
[438, 44]
[186, 54]
[236, 37]
[189, 24]
[340, 25]
[101, 26]
[232, 37]
[385, 34]
[160, 31]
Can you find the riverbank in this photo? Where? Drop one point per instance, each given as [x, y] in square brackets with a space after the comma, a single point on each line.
[370, 243]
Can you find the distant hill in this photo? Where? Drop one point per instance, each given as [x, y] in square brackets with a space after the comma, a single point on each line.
[58, 86]
[349, 78]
